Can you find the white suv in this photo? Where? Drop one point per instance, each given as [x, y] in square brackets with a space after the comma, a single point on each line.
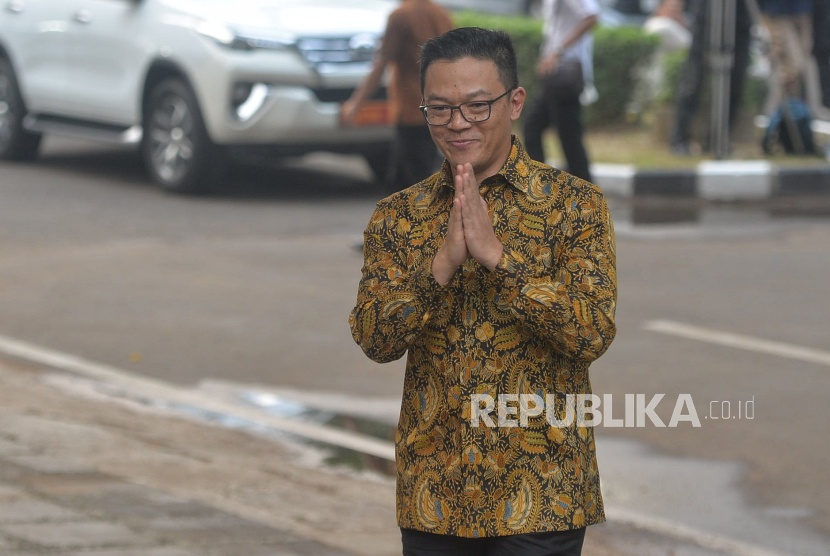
[190, 80]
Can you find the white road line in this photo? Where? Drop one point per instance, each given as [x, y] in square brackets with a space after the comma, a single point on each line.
[738, 341]
[158, 389]
[690, 534]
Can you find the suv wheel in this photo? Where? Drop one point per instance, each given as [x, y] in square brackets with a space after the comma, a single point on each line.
[176, 148]
[15, 142]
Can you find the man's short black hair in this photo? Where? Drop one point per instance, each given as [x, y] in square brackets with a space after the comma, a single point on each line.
[473, 42]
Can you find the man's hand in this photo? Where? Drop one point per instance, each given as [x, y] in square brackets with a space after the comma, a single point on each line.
[348, 111]
[469, 231]
[482, 243]
[547, 65]
[454, 251]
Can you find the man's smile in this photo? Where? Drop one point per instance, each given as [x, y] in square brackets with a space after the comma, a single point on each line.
[461, 143]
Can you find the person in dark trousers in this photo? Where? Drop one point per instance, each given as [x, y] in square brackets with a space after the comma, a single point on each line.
[414, 156]
[821, 46]
[694, 71]
[567, 38]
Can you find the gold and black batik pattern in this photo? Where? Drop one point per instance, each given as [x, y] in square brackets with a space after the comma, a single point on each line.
[531, 326]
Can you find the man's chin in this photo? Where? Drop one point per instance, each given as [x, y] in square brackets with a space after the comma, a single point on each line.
[459, 160]
[458, 156]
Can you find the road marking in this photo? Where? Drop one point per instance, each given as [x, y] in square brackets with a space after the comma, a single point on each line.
[738, 341]
[158, 389]
[690, 534]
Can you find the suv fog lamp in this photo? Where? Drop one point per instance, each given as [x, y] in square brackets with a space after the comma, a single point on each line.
[240, 93]
[256, 98]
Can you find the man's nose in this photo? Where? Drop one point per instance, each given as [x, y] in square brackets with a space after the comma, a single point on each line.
[457, 120]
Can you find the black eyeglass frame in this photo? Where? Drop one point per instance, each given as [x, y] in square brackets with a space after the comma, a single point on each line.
[489, 104]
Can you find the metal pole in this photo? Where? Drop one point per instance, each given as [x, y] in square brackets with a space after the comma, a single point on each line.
[721, 59]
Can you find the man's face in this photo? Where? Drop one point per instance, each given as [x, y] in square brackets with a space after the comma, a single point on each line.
[485, 145]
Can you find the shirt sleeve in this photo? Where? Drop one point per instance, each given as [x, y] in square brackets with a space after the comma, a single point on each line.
[397, 295]
[571, 305]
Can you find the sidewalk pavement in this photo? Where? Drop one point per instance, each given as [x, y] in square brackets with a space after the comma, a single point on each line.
[88, 477]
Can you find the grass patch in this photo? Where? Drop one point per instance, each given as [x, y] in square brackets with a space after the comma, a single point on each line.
[640, 147]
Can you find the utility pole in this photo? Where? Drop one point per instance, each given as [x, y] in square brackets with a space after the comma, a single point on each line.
[721, 26]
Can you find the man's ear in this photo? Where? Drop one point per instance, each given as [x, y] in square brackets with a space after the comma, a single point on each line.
[517, 102]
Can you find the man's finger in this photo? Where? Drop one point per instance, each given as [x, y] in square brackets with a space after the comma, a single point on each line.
[471, 176]
[466, 215]
[456, 215]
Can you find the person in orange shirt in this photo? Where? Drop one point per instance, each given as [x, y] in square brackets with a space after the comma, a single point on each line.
[414, 156]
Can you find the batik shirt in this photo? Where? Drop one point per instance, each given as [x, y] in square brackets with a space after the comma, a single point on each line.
[531, 326]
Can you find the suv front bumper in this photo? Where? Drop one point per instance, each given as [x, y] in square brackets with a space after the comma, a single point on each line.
[291, 115]
[290, 104]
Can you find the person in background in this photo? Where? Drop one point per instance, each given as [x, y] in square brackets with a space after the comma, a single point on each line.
[669, 22]
[694, 71]
[821, 46]
[567, 37]
[789, 23]
[414, 156]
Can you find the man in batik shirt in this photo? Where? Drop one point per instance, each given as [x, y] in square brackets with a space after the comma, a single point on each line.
[497, 277]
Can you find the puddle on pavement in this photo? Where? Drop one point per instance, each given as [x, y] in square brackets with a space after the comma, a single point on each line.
[321, 453]
[336, 456]
[309, 452]
[325, 454]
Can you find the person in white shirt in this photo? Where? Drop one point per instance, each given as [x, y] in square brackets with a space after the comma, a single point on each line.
[669, 23]
[566, 56]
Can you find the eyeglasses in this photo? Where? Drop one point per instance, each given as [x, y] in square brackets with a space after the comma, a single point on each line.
[475, 111]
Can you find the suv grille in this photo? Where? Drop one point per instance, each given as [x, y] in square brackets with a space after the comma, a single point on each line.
[338, 50]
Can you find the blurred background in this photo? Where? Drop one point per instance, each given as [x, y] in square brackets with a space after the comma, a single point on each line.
[181, 219]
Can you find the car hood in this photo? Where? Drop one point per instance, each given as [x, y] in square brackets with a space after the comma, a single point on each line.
[298, 18]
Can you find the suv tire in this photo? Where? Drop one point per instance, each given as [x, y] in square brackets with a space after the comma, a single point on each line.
[176, 148]
[15, 142]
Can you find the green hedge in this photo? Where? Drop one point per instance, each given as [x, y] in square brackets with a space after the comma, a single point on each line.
[527, 39]
[618, 54]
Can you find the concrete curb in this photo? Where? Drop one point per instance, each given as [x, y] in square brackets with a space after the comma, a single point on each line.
[739, 180]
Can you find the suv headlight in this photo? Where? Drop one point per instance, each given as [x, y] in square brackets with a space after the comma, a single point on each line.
[243, 40]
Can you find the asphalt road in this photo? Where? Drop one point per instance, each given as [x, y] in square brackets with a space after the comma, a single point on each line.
[255, 283]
